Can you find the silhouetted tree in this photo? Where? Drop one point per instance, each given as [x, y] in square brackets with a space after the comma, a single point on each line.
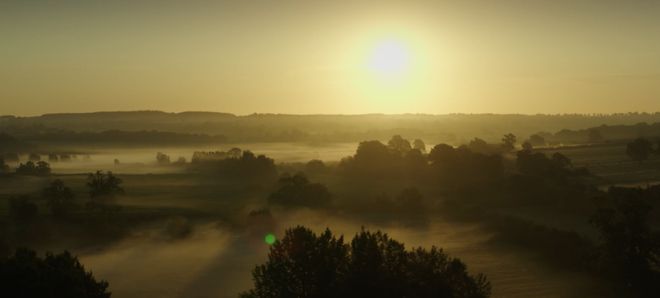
[442, 154]
[527, 146]
[415, 164]
[461, 168]
[43, 168]
[303, 265]
[419, 145]
[180, 161]
[315, 166]
[371, 159]
[630, 250]
[162, 158]
[59, 198]
[509, 142]
[479, 146]
[234, 153]
[399, 144]
[296, 190]
[639, 149]
[24, 274]
[103, 188]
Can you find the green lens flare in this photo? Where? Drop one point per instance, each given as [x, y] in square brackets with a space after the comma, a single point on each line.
[270, 239]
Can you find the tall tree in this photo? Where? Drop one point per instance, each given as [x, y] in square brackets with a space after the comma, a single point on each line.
[509, 142]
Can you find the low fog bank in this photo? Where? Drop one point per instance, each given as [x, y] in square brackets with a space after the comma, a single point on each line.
[217, 258]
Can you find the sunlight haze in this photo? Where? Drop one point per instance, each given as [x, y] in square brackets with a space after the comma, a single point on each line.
[333, 57]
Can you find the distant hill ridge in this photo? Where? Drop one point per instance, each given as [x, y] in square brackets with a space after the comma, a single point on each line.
[449, 128]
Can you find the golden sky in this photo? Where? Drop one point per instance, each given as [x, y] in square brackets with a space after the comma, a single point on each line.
[348, 57]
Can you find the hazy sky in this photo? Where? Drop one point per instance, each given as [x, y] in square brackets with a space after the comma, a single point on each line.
[335, 56]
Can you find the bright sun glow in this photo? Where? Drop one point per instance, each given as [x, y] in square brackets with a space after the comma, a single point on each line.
[389, 58]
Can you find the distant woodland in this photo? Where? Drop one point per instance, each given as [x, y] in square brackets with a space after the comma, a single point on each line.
[194, 128]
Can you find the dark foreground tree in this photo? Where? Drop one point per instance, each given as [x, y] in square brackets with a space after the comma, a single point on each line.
[303, 264]
[629, 249]
[24, 274]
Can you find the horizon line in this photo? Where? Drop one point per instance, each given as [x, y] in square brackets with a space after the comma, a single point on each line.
[321, 114]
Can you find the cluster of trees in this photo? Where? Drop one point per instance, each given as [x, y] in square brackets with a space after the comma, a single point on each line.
[164, 159]
[557, 166]
[303, 264]
[30, 168]
[375, 159]
[35, 157]
[103, 190]
[478, 145]
[236, 164]
[602, 133]
[24, 274]
[40, 168]
[205, 156]
[444, 165]
[60, 199]
[462, 167]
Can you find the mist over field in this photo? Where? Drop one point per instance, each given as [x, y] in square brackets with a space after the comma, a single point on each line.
[326, 149]
[191, 220]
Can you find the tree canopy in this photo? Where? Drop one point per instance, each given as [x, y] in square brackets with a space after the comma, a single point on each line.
[304, 264]
[25, 274]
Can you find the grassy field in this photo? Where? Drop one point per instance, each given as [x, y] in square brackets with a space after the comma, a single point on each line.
[610, 162]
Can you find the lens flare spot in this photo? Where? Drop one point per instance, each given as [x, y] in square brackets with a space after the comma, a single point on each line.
[270, 239]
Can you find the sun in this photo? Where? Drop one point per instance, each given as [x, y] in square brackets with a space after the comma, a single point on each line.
[389, 58]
